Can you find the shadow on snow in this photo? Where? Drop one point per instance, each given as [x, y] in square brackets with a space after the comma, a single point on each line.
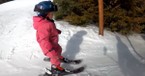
[73, 45]
[129, 65]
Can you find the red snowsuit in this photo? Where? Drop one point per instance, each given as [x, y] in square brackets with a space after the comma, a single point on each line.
[47, 37]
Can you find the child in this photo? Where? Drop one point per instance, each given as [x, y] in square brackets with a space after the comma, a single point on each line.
[47, 34]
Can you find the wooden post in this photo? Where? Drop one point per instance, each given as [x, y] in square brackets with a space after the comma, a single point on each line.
[101, 17]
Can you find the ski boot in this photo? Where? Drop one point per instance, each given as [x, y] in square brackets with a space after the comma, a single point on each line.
[58, 71]
[65, 60]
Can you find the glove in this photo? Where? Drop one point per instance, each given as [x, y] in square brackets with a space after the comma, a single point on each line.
[59, 32]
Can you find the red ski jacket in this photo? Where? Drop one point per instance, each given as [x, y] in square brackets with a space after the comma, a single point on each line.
[46, 34]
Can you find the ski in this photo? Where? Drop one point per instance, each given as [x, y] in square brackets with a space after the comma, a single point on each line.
[75, 71]
[77, 61]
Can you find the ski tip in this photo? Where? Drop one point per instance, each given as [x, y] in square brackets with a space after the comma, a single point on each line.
[45, 74]
[80, 69]
[84, 66]
[78, 61]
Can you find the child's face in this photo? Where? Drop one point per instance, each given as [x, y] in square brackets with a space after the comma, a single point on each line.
[50, 15]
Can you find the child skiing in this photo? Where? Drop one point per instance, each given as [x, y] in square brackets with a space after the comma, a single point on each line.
[47, 34]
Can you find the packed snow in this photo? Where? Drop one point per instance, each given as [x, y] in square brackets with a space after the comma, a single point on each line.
[20, 54]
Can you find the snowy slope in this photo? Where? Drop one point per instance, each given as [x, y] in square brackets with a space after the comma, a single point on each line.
[20, 54]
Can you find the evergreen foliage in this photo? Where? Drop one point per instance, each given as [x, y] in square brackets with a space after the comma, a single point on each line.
[3, 1]
[123, 16]
[77, 12]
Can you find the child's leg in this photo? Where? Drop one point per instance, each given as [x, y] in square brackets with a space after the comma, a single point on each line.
[54, 58]
[59, 51]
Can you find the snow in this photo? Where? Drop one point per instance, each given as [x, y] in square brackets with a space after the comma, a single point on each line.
[20, 54]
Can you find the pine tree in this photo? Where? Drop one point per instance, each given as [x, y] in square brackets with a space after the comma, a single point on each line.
[77, 12]
[123, 16]
[3, 1]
